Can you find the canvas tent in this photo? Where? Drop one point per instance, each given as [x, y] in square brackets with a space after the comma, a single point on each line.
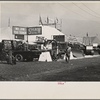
[5, 33]
[91, 40]
[47, 32]
[73, 39]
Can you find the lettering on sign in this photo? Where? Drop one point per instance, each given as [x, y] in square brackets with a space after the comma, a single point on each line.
[34, 30]
[19, 30]
[19, 36]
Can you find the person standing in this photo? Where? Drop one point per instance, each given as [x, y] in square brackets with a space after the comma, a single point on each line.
[10, 58]
[67, 53]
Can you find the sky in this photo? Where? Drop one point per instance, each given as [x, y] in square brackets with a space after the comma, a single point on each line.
[78, 18]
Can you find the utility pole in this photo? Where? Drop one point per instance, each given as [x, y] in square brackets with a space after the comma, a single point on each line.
[87, 34]
[55, 24]
[9, 22]
[61, 25]
[47, 21]
[40, 21]
[27, 36]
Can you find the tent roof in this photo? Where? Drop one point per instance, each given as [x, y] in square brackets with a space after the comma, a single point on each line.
[5, 33]
[50, 30]
[47, 32]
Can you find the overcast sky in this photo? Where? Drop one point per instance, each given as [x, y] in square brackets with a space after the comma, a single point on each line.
[78, 18]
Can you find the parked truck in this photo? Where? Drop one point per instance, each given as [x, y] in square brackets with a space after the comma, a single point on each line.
[21, 51]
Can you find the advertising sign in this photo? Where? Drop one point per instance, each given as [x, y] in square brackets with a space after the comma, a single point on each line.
[34, 30]
[19, 36]
[60, 38]
[19, 30]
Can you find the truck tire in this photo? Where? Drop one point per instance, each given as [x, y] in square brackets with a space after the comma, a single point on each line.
[19, 57]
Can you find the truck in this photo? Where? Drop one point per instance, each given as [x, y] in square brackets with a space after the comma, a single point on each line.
[21, 51]
[87, 50]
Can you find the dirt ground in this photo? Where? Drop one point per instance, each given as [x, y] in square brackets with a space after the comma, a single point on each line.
[87, 69]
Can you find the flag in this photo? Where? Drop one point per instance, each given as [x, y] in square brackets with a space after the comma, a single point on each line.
[51, 20]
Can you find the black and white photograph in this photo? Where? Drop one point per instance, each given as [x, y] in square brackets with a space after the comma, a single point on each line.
[50, 41]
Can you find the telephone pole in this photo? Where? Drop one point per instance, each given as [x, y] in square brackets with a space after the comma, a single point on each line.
[9, 22]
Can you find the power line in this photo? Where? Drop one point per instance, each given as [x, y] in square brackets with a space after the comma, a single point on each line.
[91, 10]
[67, 9]
[85, 10]
[73, 11]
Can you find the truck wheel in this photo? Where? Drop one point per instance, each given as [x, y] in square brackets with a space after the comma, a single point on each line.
[19, 57]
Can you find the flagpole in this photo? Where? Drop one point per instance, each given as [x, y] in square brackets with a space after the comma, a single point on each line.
[9, 26]
[40, 20]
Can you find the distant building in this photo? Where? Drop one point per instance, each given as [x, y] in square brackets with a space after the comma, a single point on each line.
[91, 40]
